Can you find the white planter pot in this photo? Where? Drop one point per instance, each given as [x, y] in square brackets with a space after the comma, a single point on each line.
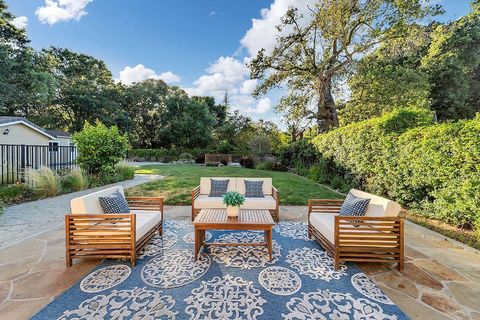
[233, 211]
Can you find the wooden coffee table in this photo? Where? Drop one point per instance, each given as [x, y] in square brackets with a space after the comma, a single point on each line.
[217, 219]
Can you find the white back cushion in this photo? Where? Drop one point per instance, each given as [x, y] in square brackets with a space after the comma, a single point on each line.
[378, 206]
[267, 185]
[90, 204]
[205, 184]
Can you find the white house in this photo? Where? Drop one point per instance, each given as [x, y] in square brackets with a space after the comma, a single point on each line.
[20, 131]
[24, 145]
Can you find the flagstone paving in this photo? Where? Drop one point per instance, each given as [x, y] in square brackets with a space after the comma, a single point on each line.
[441, 279]
[23, 221]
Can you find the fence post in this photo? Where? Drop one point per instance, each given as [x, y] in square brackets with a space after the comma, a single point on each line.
[22, 163]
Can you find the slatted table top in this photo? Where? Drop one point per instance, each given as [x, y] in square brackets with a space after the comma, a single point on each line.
[245, 218]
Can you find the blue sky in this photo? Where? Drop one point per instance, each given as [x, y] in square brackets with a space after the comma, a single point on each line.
[199, 45]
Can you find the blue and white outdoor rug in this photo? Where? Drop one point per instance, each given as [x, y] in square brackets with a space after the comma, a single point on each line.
[227, 283]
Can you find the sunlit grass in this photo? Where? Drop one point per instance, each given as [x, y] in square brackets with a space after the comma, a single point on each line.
[179, 181]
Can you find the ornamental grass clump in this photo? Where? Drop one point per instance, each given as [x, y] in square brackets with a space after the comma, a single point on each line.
[233, 199]
[44, 181]
[76, 180]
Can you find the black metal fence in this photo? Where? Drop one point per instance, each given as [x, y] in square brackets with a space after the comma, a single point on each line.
[15, 160]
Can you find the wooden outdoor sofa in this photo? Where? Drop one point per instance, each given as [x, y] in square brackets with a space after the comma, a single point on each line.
[376, 237]
[92, 234]
[201, 199]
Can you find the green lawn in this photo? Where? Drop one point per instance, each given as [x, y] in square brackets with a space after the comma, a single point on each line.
[181, 179]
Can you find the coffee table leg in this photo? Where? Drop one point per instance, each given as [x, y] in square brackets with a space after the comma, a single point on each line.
[197, 243]
[268, 240]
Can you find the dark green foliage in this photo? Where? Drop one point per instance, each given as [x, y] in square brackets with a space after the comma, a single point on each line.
[100, 148]
[453, 67]
[299, 154]
[167, 155]
[431, 167]
[247, 162]
[271, 165]
[14, 193]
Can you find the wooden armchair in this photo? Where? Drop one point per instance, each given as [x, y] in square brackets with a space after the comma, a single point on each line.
[116, 236]
[357, 239]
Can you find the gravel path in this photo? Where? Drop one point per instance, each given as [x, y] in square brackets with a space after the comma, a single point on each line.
[27, 220]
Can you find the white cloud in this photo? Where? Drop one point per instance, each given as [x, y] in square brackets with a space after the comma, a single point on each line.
[61, 10]
[263, 106]
[139, 73]
[212, 13]
[263, 32]
[224, 75]
[248, 86]
[20, 22]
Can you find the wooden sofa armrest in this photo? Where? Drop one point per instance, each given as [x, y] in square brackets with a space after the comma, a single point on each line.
[352, 231]
[195, 193]
[275, 193]
[146, 203]
[100, 236]
[324, 206]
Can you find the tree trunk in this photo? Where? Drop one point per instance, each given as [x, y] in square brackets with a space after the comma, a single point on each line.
[327, 117]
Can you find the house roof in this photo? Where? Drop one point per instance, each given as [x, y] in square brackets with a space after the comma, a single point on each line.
[9, 120]
[58, 134]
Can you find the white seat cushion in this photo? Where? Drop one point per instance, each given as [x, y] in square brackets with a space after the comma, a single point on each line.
[145, 221]
[205, 202]
[267, 202]
[325, 224]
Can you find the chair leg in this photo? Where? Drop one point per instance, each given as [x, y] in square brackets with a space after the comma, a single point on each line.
[160, 229]
[337, 261]
[133, 259]
[68, 260]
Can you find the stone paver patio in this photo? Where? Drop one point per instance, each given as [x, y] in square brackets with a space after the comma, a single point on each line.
[24, 221]
[441, 279]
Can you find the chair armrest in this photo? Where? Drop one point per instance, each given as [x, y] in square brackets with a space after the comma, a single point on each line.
[146, 203]
[195, 193]
[352, 230]
[274, 193]
[100, 227]
[324, 206]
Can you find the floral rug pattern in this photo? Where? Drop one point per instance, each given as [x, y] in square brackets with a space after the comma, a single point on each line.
[225, 282]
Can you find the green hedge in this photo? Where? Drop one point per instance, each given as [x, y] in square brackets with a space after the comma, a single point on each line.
[431, 168]
[167, 155]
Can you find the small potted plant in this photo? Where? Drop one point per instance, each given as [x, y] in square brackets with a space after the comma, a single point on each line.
[233, 200]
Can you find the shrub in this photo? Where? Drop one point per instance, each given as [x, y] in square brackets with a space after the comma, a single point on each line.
[44, 182]
[300, 153]
[271, 165]
[185, 156]
[76, 180]
[14, 193]
[124, 172]
[247, 162]
[100, 148]
[261, 145]
[403, 155]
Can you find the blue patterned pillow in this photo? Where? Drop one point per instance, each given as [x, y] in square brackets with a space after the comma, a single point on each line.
[253, 189]
[354, 206]
[114, 203]
[218, 187]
